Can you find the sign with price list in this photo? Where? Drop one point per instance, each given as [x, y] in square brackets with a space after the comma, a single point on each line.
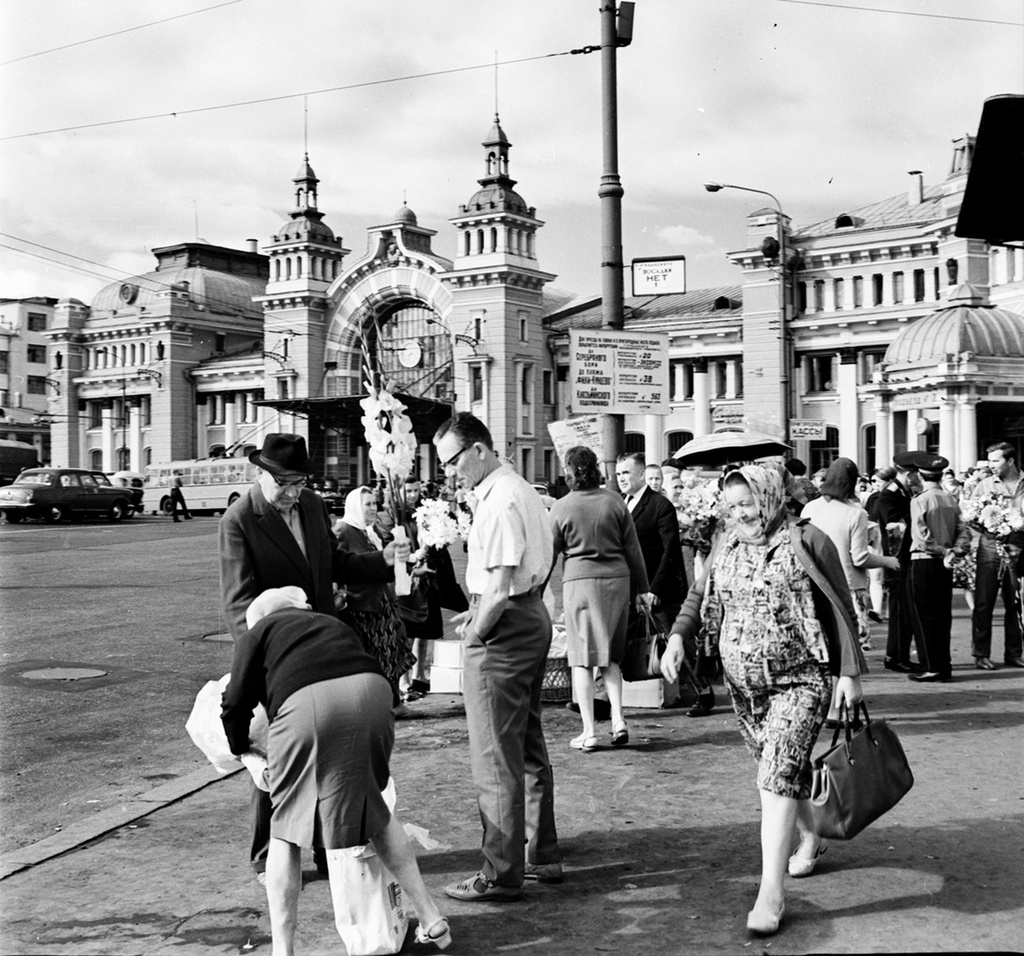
[618, 373]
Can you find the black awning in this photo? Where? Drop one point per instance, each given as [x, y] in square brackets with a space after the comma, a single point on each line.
[344, 413]
[993, 204]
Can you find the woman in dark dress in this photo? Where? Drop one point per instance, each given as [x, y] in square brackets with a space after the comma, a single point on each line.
[328, 750]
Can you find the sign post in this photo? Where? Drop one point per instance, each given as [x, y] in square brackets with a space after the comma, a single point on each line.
[618, 373]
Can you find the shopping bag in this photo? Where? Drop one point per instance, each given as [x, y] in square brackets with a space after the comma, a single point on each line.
[207, 732]
[368, 908]
[645, 645]
[859, 779]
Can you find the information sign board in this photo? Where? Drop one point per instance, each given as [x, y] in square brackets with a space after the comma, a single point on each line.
[618, 373]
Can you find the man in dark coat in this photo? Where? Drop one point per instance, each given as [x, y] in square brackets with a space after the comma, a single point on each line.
[279, 535]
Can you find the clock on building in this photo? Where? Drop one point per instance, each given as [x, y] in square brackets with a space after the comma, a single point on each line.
[129, 293]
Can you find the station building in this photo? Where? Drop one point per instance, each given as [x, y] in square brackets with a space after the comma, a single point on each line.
[873, 332]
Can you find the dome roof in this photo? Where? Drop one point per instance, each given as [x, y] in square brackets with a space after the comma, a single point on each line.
[218, 291]
[406, 216]
[965, 325]
[497, 197]
[305, 228]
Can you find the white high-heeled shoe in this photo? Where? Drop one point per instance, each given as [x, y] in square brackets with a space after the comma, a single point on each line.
[800, 866]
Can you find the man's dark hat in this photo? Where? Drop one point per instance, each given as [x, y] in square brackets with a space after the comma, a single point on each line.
[920, 461]
[283, 455]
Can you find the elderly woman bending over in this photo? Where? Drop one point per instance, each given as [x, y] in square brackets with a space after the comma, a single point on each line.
[776, 604]
[331, 732]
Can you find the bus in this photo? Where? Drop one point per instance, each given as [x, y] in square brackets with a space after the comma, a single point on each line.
[15, 457]
[208, 484]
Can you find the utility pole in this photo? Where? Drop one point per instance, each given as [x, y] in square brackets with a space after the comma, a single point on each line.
[611, 193]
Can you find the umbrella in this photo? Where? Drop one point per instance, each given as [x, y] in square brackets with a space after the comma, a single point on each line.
[724, 447]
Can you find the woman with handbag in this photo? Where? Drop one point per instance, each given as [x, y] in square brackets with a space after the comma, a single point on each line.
[328, 750]
[371, 609]
[595, 536]
[777, 609]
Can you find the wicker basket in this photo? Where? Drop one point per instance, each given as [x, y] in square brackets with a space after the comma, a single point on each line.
[557, 686]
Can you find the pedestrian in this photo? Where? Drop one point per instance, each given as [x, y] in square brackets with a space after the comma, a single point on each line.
[840, 515]
[370, 606]
[178, 499]
[777, 608]
[936, 535]
[994, 575]
[597, 540]
[506, 634]
[880, 478]
[893, 510]
[328, 750]
[654, 478]
[278, 534]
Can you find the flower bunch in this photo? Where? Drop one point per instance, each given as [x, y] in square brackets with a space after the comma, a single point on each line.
[436, 527]
[699, 508]
[389, 434]
[993, 514]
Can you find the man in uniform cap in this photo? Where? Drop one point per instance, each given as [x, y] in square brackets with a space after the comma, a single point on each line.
[935, 532]
[893, 510]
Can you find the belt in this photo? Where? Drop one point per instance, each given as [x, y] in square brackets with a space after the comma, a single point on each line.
[533, 592]
[921, 556]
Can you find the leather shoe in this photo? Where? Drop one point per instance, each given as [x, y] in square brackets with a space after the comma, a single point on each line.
[544, 872]
[703, 705]
[764, 923]
[875, 616]
[479, 889]
[984, 664]
[893, 665]
[1014, 662]
[930, 677]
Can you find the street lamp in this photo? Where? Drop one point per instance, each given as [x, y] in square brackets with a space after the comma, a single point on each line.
[773, 248]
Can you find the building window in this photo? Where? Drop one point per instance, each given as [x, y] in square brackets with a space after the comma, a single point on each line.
[523, 328]
[877, 285]
[858, 292]
[36, 322]
[36, 354]
[549, 466]
[632, 443]
[96, 460]
[681, 380]
[869, 361]
[5, 363]
[801, 297]
[718, 378]
[146, 411]
[897, 288]
[36, 385]
[919, 285]
[819, 376]
[819, 295]
[478, 327]
[676, 440]
[95, 413]
[476, 383]
[838, 288]
[548, 384]
[823, 453]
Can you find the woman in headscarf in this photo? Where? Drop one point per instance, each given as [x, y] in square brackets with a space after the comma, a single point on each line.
[328, 751]
[371, 609]
[777, 607]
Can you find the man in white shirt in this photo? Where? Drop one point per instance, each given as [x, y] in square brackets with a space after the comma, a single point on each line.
[506, 635]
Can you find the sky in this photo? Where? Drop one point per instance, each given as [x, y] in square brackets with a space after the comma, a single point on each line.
[827, 105]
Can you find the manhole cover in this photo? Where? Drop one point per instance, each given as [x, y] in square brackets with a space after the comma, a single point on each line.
[63, 673]
[221, 638]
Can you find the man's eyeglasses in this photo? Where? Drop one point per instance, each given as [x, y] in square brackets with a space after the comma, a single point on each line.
[297, 483]
[454, 460]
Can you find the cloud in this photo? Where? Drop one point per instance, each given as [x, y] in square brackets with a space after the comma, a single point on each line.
[689, 240]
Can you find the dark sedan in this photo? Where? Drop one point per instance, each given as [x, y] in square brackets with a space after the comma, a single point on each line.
[56, 494]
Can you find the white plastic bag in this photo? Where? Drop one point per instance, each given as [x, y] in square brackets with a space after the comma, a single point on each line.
[368, 907]
[205, 728]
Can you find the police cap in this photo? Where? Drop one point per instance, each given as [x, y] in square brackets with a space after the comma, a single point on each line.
[920, 461]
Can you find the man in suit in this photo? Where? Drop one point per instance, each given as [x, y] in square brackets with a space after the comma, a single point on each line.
[893, 509]
[279, 535]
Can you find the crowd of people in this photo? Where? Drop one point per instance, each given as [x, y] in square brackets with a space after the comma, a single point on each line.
[787, 575]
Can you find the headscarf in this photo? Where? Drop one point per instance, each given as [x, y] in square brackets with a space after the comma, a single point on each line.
[767, 488]
[274, 599]
[354, 515]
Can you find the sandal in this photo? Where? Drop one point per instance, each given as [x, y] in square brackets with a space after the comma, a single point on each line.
[584, 743]
[437, 933]
[620, 734]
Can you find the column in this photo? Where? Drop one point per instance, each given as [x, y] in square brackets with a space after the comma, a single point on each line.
[730, 378]
[883, 433]
[967, 433]
[849, 407]
[701, 403]
[107, 436]
[830, 295]
[135, 437]
[653, 439]
[947, 433]
[913, 438]
[887, 289]
[230, 420]
[678, 381]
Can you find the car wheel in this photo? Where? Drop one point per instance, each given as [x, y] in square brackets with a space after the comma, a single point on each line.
[117, 511]
[13, 517]
[57, 513]
[166, 507]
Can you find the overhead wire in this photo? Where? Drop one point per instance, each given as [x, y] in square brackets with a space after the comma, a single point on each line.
[904, 13]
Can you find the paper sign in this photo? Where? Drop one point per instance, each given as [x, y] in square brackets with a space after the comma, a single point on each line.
[570, 432]
[618, 373]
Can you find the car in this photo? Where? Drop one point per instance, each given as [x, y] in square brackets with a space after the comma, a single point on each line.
[57, 494]
[133, 482]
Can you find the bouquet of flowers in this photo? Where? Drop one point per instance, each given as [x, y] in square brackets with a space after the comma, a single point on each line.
[699, 509]
[437, 527]
[993, 514]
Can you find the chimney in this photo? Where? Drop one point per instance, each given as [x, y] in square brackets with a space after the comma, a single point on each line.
[253, 245]
[915, 193]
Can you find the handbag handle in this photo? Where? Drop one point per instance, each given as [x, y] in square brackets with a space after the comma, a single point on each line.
[846, 723]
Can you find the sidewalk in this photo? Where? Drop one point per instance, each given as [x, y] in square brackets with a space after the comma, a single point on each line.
[660, 840]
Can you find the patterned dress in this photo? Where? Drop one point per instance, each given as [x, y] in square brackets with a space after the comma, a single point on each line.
[759, 610]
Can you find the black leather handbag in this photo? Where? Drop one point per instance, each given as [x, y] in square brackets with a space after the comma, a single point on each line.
[858, 779]
[645, 646]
